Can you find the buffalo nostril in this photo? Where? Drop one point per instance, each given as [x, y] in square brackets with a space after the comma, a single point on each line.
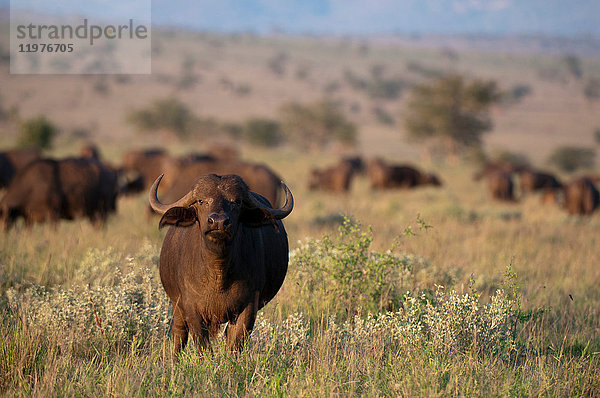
[226, 222]
[211, 220]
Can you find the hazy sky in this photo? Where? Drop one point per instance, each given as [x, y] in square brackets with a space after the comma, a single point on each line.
[554, 17]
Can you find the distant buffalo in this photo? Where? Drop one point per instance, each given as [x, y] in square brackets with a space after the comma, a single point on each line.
[146, 165]
[385, 176]
[581, 197]
[335, 178]
[49, 190]
[259, 177]
[500, 185]
[13, 160]
[531, 180]
[493, 167]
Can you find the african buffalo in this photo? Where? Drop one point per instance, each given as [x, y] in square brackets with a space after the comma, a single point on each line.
[336, 178]
[13, 160]
[533, 181]
[146, 165]
[49, 190]
[383, 175]
[493, 167]
[500, 185]
[581, 197]
[224, 257]
[260, 178]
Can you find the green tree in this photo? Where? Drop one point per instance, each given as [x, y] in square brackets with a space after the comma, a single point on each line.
[317, 125]
[36, 132]
[452, 111]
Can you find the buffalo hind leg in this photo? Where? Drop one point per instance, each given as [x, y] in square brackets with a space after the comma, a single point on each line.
[179, 331]
[237, 332]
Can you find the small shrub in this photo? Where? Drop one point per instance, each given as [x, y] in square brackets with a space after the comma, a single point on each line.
[597, 136]
[592, 90]
[316, 125]
[37, 132]
[569, 159]
[263, 132]
[383, 116]
[342, 273]
[170, 114]
[385, 88]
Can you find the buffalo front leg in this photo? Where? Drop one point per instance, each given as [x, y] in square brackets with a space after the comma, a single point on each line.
[237, 332]
[179, 331]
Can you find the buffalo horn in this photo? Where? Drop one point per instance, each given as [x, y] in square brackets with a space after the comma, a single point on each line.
[278, 214]
[160, 208]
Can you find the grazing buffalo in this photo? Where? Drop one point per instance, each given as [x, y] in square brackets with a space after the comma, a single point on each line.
[14, 160]
[90, 151]
[146, 165]
[533, 181]
[224, 257]
[383, 176]
[260, 178]
[356, 163]
[493, 167]
[581, 197]
[336, 178]
[500, 185]
[49, 190]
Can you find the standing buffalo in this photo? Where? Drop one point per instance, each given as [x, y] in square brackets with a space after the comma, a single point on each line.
[503, 165]
[533, 181]
[224, 257]
[14, 160]
[147, 165]
[260, 178]
[49, 190]
[384, 176]
[581, 197]
[336, 178]
[500, 185]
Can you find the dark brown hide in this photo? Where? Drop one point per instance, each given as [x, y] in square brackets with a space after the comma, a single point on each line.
[146, 165]
[533, 181]
[335, 178]
[48, 190]
[224, 257]
[14, 160]
[260, 178]
[385, 176]
[581, 197]
[500, 185]
[493, 167]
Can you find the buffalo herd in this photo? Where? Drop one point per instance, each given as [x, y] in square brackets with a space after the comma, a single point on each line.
[40, 189]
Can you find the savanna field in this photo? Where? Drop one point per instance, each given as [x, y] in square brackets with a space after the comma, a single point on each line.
[433, 291]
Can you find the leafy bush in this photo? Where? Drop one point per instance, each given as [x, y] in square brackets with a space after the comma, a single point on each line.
[263, 132]
[569, 159]
[592, 89]
[344, 274]
[36, 132]
[383, 116]
[172, 115]
[317, 124]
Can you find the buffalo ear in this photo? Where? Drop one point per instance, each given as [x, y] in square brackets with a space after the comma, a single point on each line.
[255, 216]
[179, 217]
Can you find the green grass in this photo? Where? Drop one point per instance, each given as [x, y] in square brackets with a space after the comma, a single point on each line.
[314, 340]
